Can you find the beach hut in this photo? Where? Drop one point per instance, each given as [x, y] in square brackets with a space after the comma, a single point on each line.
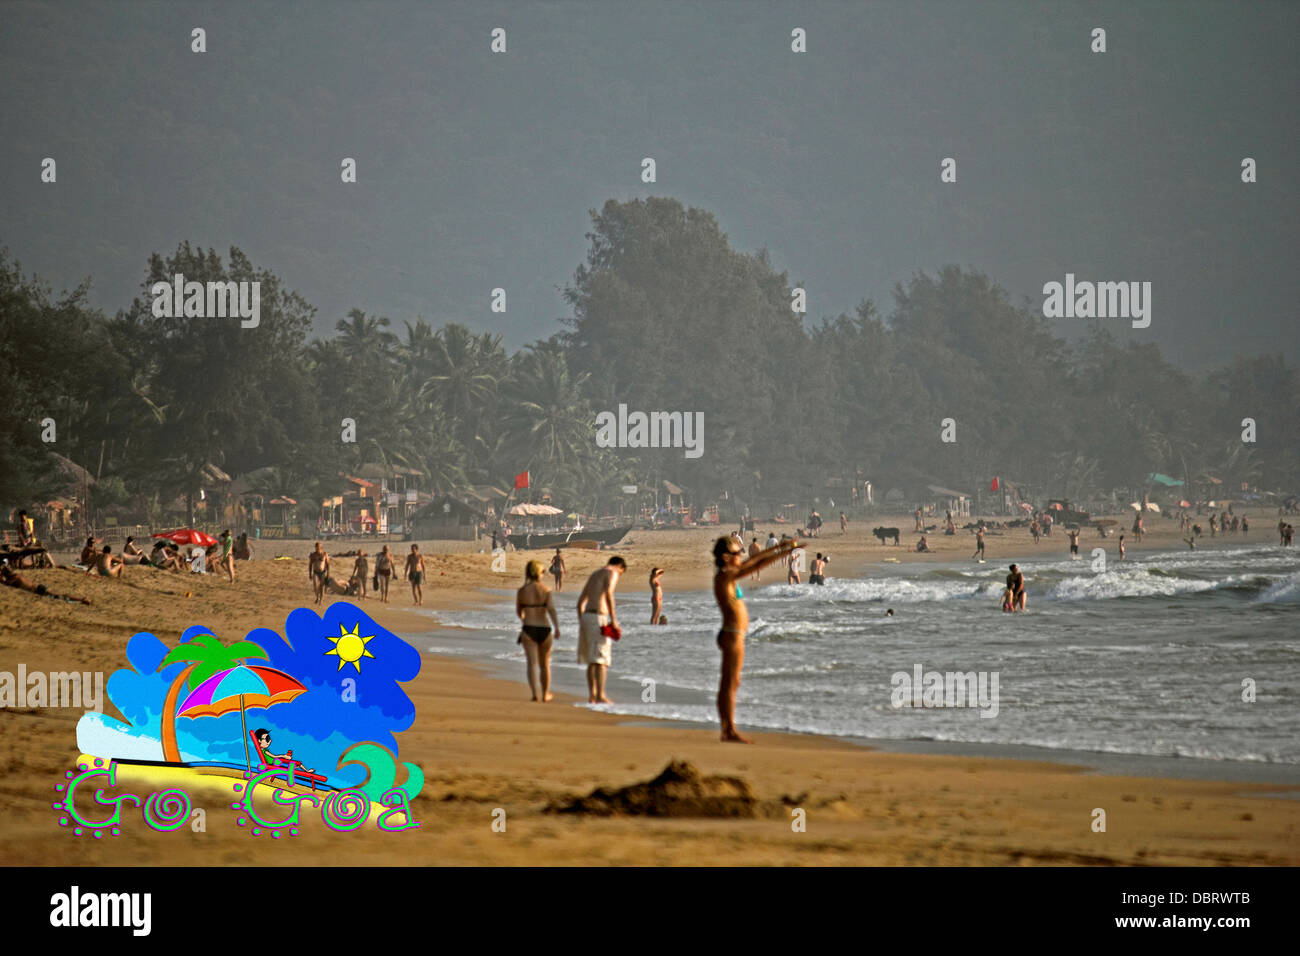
[446, 518]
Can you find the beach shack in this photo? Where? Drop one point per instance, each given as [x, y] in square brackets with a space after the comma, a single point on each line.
[445, 518]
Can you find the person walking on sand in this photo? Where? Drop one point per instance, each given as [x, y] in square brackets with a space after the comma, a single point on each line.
[415, 573]
[656, 594]
[979, 543]
[557, 570]
[844, 523]
[361, 571]
[598, 627]
[384, 571]
[227, 555]
[533, 605]
[318, 570]
[731, 567]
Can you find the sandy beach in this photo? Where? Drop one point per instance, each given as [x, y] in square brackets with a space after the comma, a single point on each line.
[485, 747]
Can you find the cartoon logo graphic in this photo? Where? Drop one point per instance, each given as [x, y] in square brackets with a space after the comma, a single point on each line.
[205, 711]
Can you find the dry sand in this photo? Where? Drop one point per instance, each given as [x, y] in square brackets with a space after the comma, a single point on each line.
[486, 748]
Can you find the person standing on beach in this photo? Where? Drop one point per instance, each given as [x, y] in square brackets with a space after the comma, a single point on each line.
[227, 555]
[318, 570]
[533, 604]
[557, 570]
[656, 594]
[1073, 534]
[753, 550]
[361, 571]
[735, 621]
[415, 573]
[979, 543]
[1121, 547]
[771, 539]
[1245, 525]
[917, 516]
[384, 571]
[597, 625]
[844, 523]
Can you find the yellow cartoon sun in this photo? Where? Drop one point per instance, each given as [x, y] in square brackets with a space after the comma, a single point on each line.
[350, 646]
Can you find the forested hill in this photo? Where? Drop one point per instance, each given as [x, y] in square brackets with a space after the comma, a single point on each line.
[665, 315]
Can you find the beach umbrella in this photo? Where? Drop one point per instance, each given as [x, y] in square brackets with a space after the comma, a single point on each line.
[188, 536]
[241, 687]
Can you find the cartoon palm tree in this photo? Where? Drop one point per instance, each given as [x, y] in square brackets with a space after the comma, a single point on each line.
[208, 656]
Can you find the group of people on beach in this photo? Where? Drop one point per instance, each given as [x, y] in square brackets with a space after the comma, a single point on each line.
[598, 626]
[323, 581]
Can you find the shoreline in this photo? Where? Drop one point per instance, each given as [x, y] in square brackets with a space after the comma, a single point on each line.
[568, 682]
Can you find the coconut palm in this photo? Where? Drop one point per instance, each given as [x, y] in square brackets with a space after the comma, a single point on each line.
[207, 656]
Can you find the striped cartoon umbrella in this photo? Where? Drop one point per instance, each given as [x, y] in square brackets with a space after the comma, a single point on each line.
[243, 686]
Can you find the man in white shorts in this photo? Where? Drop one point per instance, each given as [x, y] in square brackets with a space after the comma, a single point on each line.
[595, 610]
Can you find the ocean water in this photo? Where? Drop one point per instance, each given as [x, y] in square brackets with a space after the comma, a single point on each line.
[1147, 657]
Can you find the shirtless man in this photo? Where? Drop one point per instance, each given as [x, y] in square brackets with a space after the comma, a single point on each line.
[88, 551]
[107, 564]
[979, 542]
[1016, 585]
[361, 571]
[595, 610]
[415, 573]
[318, 570]
[753, 550]
[735, 622]
[1073, 535]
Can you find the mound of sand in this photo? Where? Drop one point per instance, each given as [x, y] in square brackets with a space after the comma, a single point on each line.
[679, 791]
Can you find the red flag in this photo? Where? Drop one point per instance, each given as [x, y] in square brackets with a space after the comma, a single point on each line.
[521, 480]
[995, 484]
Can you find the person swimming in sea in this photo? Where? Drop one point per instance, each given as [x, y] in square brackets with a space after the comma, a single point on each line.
[729, 558]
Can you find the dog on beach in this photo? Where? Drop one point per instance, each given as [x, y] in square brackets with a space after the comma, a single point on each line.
[884, 533]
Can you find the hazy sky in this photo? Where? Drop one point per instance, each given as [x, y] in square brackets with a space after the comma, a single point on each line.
[477, 170]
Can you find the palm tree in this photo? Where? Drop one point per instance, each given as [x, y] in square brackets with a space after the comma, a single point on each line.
[208, 656]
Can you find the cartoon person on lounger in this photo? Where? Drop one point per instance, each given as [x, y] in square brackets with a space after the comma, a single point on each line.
[264, 744]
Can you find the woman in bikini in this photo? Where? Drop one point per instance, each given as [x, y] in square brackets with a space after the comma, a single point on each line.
[656, 594]
[557, 570]
[384, 571]
[533, 604]
[729, 559]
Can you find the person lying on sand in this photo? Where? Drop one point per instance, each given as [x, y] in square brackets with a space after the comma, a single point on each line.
[730, 561]
[15, 580]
